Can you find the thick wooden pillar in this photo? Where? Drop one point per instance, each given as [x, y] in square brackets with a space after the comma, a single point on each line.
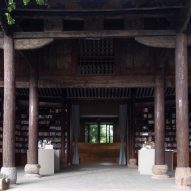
[182, 128]
[132, 163]
[32, 167]
[159, 112]
[160, 169]
[9, 110]
[33, 117]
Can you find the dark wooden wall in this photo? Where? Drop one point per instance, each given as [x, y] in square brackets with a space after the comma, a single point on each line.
[59, 60]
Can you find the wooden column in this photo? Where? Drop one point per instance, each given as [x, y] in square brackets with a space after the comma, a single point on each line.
[132, 162]
[32, 167]
[132, 149]
[33, 117]
[159, 112]
[182, 128]
[159, 169]
[9, 110]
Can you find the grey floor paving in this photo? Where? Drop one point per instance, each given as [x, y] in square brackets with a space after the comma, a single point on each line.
[94, 178]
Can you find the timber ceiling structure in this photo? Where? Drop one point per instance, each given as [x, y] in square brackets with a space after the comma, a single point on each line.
[90, 18]
[94, 93]
[127, 14]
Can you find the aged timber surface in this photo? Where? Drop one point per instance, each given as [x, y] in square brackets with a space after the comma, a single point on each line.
[9, 104]
[159, 120]
[92, 34]
[182, 129]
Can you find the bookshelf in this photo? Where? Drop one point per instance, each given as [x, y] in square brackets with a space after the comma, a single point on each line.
[49, 124]
[144, 123]
[170, 128]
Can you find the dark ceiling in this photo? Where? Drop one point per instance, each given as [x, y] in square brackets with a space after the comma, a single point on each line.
[98, 93]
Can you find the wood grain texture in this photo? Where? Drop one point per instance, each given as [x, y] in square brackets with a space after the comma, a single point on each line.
[182, 128]
[33, 117]
[159, 118]
[9, 104]
[98, 153]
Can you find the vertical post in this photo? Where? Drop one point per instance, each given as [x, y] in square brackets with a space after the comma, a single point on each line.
[9, 111]
[132, 163]
[32, 167]
[159, 169]
[183, 172]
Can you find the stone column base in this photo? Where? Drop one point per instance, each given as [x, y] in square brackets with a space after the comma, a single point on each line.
[183, 176]
[132, 163]
[11, 173]
[32, 170]
[160, 172]
[4, 184]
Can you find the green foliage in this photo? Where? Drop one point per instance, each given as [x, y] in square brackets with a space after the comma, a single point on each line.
[40, 2]
[11, 6]
[26, 2]
[10, 19]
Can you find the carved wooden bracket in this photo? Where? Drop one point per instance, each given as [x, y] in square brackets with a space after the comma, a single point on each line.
[26, 44]
[160, 41]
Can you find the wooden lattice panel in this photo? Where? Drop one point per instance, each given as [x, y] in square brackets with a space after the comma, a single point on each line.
[96, 56]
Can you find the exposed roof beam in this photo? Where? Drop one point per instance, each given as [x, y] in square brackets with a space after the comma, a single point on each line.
[87, 12]
[91, 34]
[129, 81]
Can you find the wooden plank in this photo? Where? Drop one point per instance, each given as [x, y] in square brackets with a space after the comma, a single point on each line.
[91, 34]
[97, 153]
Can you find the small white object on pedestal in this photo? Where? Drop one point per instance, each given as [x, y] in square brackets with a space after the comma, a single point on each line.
[146, 161]
[46, 161]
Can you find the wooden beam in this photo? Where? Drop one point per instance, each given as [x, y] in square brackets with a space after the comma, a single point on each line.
[92, 34]
[89, 81]
[95, 82]
[160, 41]
[87, 12]
[26, 44]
